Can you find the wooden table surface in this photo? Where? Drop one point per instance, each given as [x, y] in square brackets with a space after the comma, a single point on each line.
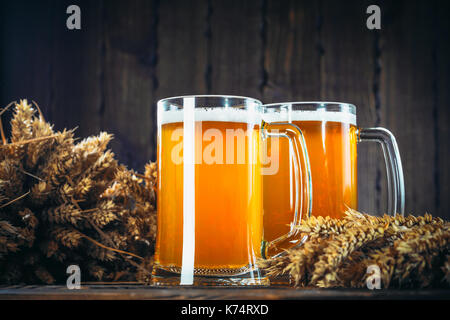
[118, 291]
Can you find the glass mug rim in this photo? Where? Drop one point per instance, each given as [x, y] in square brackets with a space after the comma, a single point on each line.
[210, 96]
[221, 108]
[310, 111]
[328, 106]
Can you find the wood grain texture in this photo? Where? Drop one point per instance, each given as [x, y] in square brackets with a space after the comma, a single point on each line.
[347, 74]
[139, 292]
[291, 52]
[26, 62]
[235, 47]
[77, 68]
[441, 108]
[52, 65]
[129, 76]
[182, 48]
[407, 97]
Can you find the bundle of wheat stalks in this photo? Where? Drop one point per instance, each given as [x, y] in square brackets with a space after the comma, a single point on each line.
[64, 202]
[410, 252]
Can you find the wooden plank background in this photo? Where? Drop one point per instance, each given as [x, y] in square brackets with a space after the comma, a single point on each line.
[109, 75]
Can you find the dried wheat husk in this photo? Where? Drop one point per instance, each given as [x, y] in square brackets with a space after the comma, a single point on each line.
[64, 201]
[411, 252]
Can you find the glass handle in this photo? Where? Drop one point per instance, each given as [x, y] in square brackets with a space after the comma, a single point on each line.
[303, 186]
[396, 186]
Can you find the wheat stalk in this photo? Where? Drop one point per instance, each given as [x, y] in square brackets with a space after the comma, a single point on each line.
[410, 251]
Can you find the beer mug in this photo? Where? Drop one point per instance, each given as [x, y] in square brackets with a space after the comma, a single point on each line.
[210, 188]
[331, 136]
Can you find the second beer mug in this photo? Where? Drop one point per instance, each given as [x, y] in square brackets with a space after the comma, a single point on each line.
[210, 216]
[331, 137]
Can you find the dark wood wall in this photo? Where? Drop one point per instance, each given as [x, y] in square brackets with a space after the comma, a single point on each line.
[109, 75]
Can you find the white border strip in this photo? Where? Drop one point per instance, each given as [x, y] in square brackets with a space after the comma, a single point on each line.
[187, 266]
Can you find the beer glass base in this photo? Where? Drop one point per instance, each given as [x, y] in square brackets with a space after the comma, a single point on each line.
[251, 277]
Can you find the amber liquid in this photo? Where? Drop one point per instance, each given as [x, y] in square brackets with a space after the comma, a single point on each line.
[228, 197]
[332, 154]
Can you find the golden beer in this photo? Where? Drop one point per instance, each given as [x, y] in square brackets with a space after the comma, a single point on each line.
[331, 141]
[228, 196]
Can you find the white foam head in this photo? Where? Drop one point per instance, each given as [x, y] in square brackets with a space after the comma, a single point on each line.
[308, 115]
[213, 114]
